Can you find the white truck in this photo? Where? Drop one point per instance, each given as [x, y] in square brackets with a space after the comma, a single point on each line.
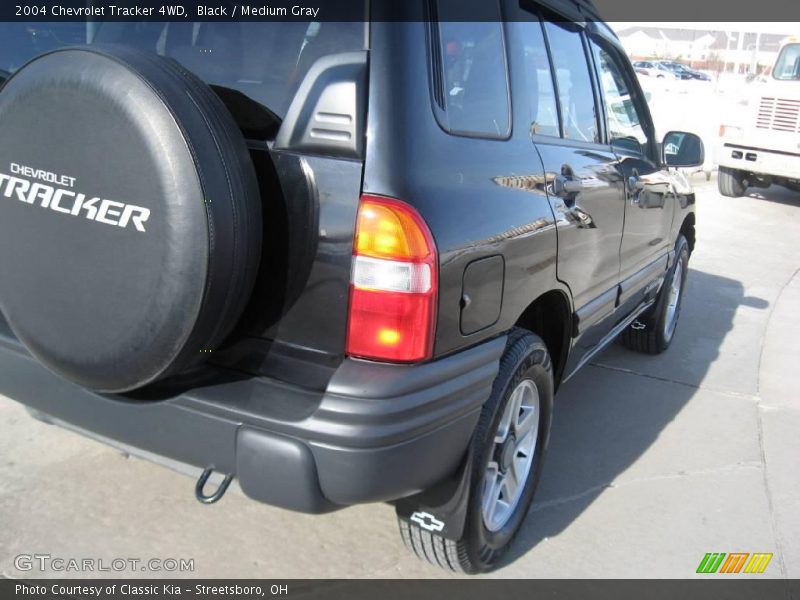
[764, 146]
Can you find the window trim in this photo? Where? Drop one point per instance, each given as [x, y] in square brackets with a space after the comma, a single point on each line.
[553, 79]
[600, 114]
[435, 65]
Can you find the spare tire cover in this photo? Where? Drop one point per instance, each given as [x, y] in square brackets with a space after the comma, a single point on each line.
[130, 216]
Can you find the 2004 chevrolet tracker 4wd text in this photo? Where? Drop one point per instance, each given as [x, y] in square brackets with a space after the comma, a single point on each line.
[343, 261]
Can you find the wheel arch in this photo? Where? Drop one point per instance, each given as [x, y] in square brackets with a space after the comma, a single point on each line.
[550, 317]
[688, 230]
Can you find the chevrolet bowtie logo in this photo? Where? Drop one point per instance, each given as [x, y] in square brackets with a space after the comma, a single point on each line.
[427, 521]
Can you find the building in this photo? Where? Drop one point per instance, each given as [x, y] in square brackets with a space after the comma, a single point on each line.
[721, 50]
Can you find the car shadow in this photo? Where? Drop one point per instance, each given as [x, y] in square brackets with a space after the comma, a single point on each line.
[605, 418]
[775, 193]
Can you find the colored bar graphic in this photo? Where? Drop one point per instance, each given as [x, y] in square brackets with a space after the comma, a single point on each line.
[734, 562]
[711, 562]
[758, 563]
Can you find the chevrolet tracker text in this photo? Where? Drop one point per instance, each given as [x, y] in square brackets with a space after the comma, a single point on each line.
[65, 201]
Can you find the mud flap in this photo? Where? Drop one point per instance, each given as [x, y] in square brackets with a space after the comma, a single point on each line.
[441, 509]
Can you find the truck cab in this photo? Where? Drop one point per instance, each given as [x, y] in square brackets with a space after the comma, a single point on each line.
[764, 146]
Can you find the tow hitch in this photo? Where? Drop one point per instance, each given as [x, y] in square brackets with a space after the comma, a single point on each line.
[218, 493]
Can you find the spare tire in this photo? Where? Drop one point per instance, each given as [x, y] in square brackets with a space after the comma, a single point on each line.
[130, 219]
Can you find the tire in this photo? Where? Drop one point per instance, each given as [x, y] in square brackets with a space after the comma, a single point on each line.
[132, 256]
[653, 332]
[729, 182]
[525, 368]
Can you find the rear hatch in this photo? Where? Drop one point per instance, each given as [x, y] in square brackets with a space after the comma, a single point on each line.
[298, 92]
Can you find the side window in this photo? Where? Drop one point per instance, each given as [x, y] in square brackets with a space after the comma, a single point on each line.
[625, 128]
[473, 74]
[573, 79]
[541, 94]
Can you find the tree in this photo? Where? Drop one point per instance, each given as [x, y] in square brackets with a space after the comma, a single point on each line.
[714, 63]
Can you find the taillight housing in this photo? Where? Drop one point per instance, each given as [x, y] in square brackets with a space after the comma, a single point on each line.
[393, 284]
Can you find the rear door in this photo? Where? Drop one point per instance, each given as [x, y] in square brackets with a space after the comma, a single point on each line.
[584, 187]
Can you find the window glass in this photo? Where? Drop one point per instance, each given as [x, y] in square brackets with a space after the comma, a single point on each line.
[541, 95]
[474, 76]
[623, 121]
[266, 61]
[574, 83]
[788, 64]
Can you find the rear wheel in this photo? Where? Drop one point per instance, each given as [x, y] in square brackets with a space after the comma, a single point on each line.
[508, 449]
[653, 331]
[730, 182]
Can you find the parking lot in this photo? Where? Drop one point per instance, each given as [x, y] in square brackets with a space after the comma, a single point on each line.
[653, 461]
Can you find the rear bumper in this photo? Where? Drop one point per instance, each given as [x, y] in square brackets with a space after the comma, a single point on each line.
[760, 161]
[378, 432]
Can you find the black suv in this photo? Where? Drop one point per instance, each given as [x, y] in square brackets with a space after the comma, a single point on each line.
[343, 262]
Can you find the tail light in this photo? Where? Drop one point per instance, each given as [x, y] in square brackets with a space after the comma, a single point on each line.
[393, 284]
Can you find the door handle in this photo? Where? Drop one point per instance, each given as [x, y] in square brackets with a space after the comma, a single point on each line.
[565, 187]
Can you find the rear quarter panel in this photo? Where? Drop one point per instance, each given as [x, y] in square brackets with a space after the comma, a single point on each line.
[480, 197]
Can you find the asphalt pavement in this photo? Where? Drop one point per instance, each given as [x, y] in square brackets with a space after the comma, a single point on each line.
[653, 461]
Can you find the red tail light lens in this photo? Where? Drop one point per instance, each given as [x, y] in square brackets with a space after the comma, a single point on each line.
[393, 285]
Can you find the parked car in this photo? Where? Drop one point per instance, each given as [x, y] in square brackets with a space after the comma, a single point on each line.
[684, 72]
[655, 69]
[355, 271]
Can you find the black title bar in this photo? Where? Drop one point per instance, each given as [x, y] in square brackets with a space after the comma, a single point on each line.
[706, 11]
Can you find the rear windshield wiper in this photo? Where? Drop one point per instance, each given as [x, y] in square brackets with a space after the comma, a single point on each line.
[256, 121]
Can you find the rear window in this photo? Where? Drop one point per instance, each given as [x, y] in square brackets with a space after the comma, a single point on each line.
[264, 60]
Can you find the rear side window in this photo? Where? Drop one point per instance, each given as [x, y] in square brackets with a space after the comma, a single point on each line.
[472, 74]
[574, 83]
